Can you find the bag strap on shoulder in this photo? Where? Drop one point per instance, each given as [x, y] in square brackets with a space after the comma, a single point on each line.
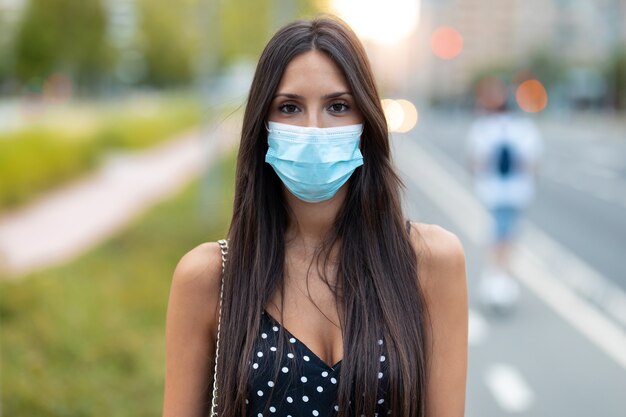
[224, 249]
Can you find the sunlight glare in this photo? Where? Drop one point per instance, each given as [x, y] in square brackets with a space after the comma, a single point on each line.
[385, 22]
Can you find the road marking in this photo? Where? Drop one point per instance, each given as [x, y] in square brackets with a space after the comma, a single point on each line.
[463, 209]
[583, 316]
[575, 273]
[477, 327]
[443, 189]
[509, 388]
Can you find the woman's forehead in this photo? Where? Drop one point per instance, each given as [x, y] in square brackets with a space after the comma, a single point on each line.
[312, 73]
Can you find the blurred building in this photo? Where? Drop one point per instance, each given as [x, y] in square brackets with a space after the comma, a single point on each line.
[508, 34]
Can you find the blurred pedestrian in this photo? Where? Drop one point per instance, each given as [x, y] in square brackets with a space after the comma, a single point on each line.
[503, 150]
[322, 309]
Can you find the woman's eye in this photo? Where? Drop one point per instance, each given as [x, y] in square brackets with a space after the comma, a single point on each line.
[338, 107]
[288, 108]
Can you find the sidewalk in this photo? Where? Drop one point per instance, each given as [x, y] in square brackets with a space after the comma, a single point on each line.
[72, 220]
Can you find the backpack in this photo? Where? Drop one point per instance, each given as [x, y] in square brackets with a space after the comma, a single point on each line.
[504, 162]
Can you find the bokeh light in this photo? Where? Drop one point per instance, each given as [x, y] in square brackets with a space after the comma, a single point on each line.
[384, 22]
[401, 115]
[531, 96]
[410, 116]
[394, 113]
[446, 42]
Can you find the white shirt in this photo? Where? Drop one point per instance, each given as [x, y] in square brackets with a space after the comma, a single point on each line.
[485, 136]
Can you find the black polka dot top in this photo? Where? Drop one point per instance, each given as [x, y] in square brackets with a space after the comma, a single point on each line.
[305, 384]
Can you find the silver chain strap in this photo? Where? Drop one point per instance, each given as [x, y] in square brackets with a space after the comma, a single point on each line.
[224, 248]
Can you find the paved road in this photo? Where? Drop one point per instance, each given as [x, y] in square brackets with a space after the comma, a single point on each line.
[563, 353]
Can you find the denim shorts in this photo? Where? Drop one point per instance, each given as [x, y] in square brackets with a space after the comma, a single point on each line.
[506, 219]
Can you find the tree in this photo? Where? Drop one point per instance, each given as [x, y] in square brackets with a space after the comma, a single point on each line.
[169, 39]
[68, 36]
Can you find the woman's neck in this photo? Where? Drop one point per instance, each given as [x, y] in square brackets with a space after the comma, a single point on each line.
[311, 223]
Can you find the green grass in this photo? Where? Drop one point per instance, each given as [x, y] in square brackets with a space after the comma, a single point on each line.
[47, 154]
[87, 338]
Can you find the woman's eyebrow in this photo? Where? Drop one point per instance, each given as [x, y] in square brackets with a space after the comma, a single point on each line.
[326, 96]
[289, 95]
[337, 94]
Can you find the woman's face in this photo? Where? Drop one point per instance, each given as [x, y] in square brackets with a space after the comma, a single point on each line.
[314, 93]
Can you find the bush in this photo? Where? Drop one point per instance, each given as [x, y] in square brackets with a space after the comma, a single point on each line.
[39, 158]
[88, 338]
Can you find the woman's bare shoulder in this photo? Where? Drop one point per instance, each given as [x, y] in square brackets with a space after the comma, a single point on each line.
[200, 267]
[196, 284]
[191, 329]
[442, 277]
[440, 253]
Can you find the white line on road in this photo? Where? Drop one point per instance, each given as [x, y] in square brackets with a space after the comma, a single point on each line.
[584, 317]
[509, 388]
[575, 273]
[463, 209]
[443, 189]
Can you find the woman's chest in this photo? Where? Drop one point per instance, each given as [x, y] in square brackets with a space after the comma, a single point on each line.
[310, 313]
[290, 379]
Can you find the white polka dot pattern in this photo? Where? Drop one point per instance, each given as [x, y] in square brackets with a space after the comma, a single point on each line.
[305, 384]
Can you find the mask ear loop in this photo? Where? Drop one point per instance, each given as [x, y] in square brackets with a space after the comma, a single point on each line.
[361, 135]
[267, 136]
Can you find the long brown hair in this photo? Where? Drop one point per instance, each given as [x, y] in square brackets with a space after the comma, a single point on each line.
[377, 290]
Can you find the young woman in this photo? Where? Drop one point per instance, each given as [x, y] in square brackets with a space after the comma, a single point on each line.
[333, 304]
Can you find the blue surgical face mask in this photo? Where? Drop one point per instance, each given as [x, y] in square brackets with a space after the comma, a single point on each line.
[313, 162]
